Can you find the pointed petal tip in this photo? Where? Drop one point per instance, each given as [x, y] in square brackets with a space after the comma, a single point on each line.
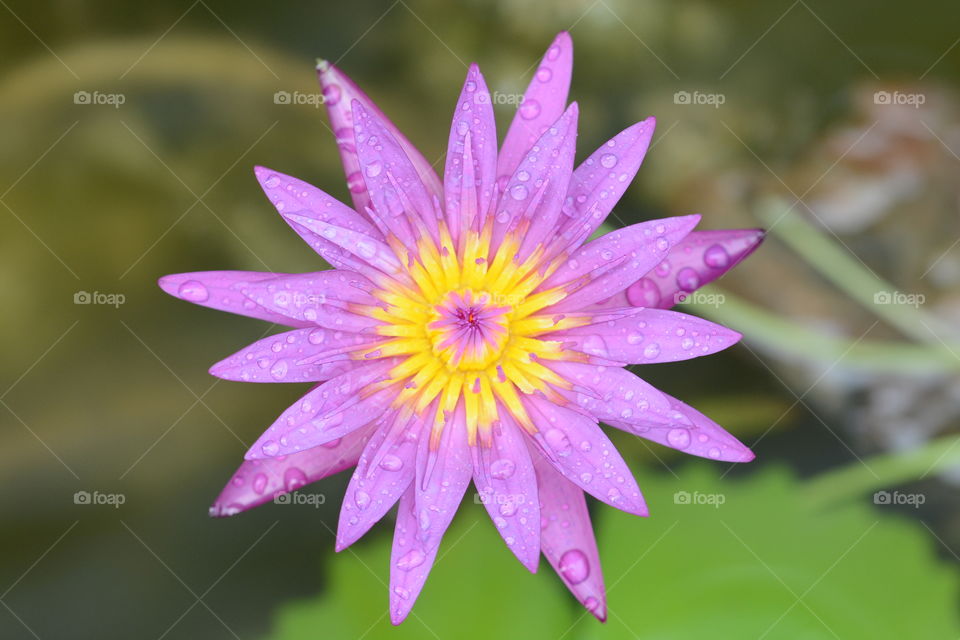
[323, 66]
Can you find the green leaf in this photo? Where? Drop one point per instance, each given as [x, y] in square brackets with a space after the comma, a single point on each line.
[754, 560]
[477, 589]
[745, 557]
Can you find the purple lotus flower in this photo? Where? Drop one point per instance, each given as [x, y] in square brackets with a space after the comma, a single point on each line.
[469, 331]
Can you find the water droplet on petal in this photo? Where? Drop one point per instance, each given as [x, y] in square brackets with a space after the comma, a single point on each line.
[260, 483]
[651, 351]
[391, 462]
[678, 438]
[361, 499]
[411, 559]
[574, 566]
[374, 169]
[608, 161]
[529, 109]
[332, 94]
[544, 74]
[502, 469]
[688, 279]
[716, 257]
[518, 192]
[270, 448]
[193, 291]
[644, 293]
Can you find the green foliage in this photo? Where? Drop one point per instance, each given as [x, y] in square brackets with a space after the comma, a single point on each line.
[764, 563]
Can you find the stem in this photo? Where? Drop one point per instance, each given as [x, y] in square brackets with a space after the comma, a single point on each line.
[837, 264]
[798, 342]
[885, 470]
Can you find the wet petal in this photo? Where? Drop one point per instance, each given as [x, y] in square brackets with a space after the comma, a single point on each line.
[296, 197]
[692, 433]
[443, 475]
[325, 303]
[410, 559]
[292, 357]
[470, 174]
[259, 481]
[223, 290]
[504, 476]
[376, 257]
[398, 197]
[534, 193]
[612, 393]
[577, 447]
[543, 102]
[648, 336]
[612, 263]
[698, 259]
[327, 412]
[339, 92]
[385, 470]
[567, 539]
[600, 181]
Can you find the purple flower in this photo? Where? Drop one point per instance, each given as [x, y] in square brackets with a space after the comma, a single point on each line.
[469, 331]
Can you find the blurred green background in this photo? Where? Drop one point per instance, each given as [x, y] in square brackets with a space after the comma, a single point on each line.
[847, 383]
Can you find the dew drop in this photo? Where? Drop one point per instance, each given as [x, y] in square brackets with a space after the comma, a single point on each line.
[391, 462]
[688, 279]
[193, 291]
[518, 192]
[411, 559]
[502, 469]
[574, 566]
[529, 109]
[678, 438]
[608, 161]
[260, 483]
[716, 257]
[361, 499]
[374, 169]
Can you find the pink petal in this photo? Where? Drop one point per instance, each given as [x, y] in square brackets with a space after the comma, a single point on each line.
[327, 412]
[410, 559]
[290, 357]
[648, 336]
[613, 262]
[566, 537]
[543, 102]
[223, 290]
[505, 480]
[401, 202]
[612, 393]
[442, 477]
[292, 196]
[601, 180]
[385, 470]
[692, 433]
[258, 481]
[377, 258]
[698, 259]
[315, 299]
[339, 93]
[470, 174]
[534, 193]
[577, 447]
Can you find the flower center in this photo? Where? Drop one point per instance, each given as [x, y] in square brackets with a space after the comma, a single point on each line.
[469, 330]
